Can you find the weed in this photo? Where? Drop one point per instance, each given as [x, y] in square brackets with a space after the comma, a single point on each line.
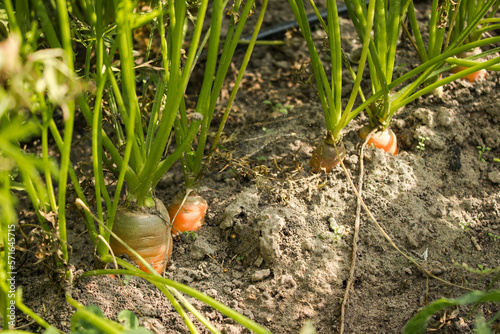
[421, 144]
[336, 236]
[278, 107]
[481, 151]
[494, 236]
[419, 323]
[189, 236]
[267, 131]
[91, 319]
[126, 279]
[496, 159]
[483, 269]
[465, 225]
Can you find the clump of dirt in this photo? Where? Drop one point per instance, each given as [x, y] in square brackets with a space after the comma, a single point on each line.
[276, 244]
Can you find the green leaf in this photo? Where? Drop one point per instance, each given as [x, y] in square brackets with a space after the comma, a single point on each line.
[418, 324]
[140, 330]
[51, 330]
[481, 326]
[86, 327]
[128, 319]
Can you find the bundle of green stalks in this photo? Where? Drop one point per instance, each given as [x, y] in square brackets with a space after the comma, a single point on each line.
[146, 138]
[389, 94]
[379, 26]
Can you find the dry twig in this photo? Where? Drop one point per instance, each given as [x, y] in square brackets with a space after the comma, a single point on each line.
[355, 237]
[357, 192]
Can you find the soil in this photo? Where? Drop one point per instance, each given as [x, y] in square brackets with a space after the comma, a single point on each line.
[277, 241]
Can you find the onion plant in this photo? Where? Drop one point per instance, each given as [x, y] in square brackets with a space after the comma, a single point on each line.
[330, 151]
[390, 94]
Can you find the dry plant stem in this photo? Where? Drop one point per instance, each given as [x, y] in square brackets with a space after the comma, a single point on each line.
[356, 234]
[388, 238]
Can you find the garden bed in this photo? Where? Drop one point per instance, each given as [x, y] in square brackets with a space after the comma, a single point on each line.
[276, 244]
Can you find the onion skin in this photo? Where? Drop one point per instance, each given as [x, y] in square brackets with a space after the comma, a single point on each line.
[385, 140]
[325, 158]
[147, 233]
[187, 216]
[473, 77]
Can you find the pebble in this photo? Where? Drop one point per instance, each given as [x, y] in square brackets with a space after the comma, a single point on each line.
[424, 116]
[197, 253]
[399, 123]
[259, 261]
[185, 278]
[491, 137]
[211, 293]
[494, 176]
[352, 160]
[259, 275]
[200, 248]
[437, 271]
[444, 117]
[236, 274]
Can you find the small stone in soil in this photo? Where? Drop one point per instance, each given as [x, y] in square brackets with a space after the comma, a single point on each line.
[185, 278]
[237, 274]
[200, 248]
[407, 270]
[444, 118]
[197, 253]
[259, 275]
[211, 293]
[437, 271]
[494, 177]
[424, 115]
[259, 261]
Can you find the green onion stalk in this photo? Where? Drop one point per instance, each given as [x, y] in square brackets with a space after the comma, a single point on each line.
[327, 154]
